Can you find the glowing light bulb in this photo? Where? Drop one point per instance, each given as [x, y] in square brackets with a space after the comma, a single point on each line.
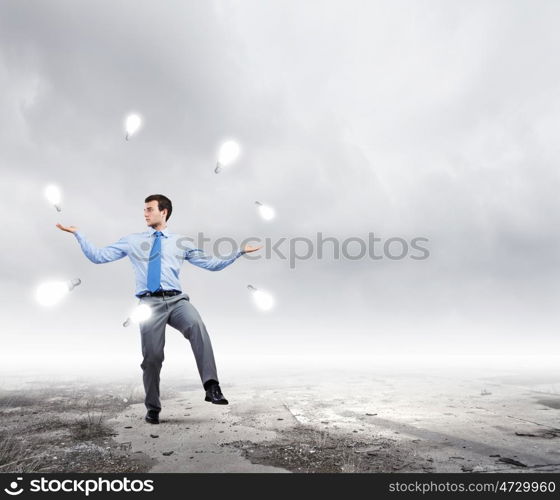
[52, 292]
[141, 313]
[263, 300]
[133, 123]
[229, 151]
[266, 212]
[54, 196]
[49, 294]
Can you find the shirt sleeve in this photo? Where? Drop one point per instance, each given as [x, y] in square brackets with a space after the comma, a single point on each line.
[109, 253]
[199, 258]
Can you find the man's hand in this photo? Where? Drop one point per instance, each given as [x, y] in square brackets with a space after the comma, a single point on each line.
[69, 229]
[249, 248]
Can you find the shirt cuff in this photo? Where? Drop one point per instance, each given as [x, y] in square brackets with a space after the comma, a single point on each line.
[240, 253]
[78, 235]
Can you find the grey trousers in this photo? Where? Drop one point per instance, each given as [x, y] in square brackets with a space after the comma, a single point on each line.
[179, 313]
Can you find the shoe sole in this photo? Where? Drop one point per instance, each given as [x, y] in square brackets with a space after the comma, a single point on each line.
[216, 403]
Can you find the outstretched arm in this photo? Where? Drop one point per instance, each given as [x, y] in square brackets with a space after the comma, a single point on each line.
[109, 253]
[199, 258]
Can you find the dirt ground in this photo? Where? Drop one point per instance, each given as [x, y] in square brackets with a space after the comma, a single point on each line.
[62, 427]
[352, 422]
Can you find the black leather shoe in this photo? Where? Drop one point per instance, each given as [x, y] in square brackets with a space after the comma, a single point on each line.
[214, 395]
[152, 417]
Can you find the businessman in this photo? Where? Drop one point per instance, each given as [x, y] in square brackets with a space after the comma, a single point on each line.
[156, 256]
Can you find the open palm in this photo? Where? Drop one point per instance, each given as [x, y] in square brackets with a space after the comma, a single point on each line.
[68, 229]
[249, 248]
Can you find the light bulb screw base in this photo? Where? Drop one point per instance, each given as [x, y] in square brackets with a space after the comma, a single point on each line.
[74, 283]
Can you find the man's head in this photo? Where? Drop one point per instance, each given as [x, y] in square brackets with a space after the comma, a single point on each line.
[157, 209]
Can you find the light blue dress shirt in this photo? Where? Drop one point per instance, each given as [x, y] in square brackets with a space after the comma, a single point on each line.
[174, 250]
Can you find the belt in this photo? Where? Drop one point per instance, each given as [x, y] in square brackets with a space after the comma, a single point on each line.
[160, 293]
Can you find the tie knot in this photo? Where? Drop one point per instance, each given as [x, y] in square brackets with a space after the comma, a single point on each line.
[158, 233]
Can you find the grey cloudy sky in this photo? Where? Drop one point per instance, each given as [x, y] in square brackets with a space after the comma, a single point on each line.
[432, 119]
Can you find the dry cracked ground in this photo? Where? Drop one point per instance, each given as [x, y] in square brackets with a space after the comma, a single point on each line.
[343, 422]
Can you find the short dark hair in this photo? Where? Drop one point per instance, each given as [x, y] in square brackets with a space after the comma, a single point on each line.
[163, 203]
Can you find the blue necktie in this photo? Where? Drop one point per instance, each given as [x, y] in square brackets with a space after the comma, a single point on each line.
[154, 266]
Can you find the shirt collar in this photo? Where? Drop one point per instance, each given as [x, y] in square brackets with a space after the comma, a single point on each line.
[165, 232]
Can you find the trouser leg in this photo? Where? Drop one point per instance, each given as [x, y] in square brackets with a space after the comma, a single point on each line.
[152, 333]
[185, 318]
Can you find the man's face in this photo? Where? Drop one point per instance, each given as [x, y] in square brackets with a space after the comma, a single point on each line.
[152, 214]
